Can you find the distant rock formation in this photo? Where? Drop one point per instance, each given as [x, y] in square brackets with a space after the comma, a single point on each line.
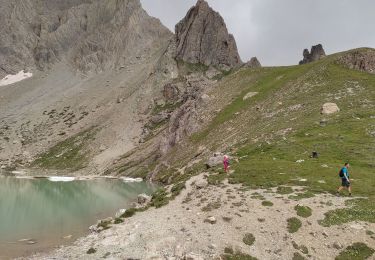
[253, 63]
[317, 52]
[202, 37]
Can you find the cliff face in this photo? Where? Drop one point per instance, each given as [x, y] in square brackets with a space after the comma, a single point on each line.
[202, 37]
[91, 35]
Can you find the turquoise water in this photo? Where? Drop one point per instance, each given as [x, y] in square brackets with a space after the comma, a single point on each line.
[53, 213]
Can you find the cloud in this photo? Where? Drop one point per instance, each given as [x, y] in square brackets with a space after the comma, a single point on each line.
[276, 31]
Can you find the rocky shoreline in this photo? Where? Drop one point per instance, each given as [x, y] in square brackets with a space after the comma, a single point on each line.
[210, 222]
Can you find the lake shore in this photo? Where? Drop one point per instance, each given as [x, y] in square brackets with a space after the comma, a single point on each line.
[205, 221]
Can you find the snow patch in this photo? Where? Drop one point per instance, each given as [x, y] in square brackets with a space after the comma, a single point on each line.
[61, 179]
[127, 179]
[11, 79]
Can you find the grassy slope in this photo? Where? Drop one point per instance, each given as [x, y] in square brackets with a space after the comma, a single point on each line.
[272, 130]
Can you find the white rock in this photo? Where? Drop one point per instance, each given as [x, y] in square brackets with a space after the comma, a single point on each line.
[215, 160]
[329, 108]
[192, 256]
[205, 97]
[250, 95]
[120, 213]
[200, 184]
[211, 220]
[143, 199]
[300, 161]
[102, 148]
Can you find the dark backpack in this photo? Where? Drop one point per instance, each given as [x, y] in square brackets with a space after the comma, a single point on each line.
[341, 173]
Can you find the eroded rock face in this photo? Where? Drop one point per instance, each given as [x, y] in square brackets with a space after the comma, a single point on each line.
[91, 35]
[360, 60]
[317, 52]
[253, 63]
[202, 37]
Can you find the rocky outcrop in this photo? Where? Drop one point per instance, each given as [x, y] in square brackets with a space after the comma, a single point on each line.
[363, 60]
[317, 52]
[202, 37]
[253, 63]
[91, 35]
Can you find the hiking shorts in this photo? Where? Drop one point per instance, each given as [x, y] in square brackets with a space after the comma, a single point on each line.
[345, 183]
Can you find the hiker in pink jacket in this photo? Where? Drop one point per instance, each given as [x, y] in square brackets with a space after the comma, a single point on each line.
[226, 163]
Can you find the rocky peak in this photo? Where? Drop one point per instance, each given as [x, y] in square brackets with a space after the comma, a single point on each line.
[253, 63]
[317, 52]
[202, 37]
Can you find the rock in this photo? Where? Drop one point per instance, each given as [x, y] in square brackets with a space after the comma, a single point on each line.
[323, 122]
[102, 148]
[200, 184]
[249, 95]
[212, 72]
[171, 92]
[202, 37]
[329, 108]
[253, 63]
[192, 256]
[317, 53]
[217, 159]
[363, 60]
[211, 220]
[337, 246]
[143, 199]
[44, 38]
[205, 97]
[120, 213]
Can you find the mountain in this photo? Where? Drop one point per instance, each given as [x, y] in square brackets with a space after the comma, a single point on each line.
[100, 71]
[95, 64]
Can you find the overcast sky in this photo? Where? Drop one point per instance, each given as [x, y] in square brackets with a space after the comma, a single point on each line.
[277, 31]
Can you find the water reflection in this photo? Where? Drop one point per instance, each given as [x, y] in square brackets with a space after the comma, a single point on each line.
[41, 209]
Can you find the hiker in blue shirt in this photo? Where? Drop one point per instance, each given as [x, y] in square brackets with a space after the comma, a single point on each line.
[345, 179]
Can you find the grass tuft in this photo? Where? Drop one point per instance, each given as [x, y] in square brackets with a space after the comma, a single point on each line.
[294, 224]
[303, 211]
[357, 251]
[249, 239]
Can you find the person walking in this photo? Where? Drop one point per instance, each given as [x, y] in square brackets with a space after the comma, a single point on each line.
[345, 179]
[226, 163]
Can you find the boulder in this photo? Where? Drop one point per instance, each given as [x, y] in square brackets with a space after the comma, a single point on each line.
[120, 213]
[202, 37]
[329, 108]
[249, 95]
[317, 52]
[215, 160]
[211, 220]
[253, 63]
[143, 199]
[212, 72]
[200, 184]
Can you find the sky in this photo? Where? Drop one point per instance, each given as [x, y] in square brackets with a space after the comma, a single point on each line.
[277, 31]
